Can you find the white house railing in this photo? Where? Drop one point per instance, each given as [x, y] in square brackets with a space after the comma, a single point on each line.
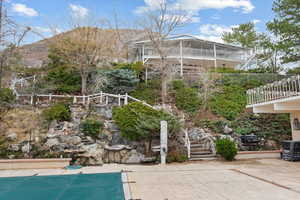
[282, 89]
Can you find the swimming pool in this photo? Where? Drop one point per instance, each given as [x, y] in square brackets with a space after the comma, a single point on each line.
[106, 186]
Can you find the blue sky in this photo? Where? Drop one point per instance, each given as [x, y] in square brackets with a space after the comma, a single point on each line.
[210, 17]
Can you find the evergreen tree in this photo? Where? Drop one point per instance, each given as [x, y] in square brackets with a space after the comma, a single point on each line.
[286, 26]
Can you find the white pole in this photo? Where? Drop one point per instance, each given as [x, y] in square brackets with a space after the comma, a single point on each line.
[215, 55]
[31, 100]
[163, 141]
[181, 59]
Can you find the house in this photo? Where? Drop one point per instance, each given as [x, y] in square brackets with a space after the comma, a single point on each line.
[190, 54]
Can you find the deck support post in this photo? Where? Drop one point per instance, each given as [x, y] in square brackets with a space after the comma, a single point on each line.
[215, 55]
[181, 58]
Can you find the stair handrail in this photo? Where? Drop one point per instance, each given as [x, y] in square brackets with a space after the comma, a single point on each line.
[187, 143]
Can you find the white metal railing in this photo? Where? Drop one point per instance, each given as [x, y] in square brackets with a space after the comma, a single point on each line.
[187, 143]
[285, 88]
[198, 53]
[101, 97]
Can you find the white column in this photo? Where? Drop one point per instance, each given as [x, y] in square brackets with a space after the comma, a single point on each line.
[163, 141]
[143, 54]
[119, 100]
[181, 58]
[215, 55]
[146, 74]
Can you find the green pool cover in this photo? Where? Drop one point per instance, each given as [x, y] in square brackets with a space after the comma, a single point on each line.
[63, 187]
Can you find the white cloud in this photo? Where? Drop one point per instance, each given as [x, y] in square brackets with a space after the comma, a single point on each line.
[196, 5]
[79, 11]
[255, 21]
[22, 9]
[213, 32]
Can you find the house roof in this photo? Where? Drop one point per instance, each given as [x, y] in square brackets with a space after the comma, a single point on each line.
[193, 37]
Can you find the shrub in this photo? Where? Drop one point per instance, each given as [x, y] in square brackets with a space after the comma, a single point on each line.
[119, 81]
[174, 156]
[186, 98]
[149, 92]
[229, 102]
[91, 127]
[266, 126]
[64, 80]
[59, 112]
[139, 122]
[137, 67]
[226, 148]
[6, 95]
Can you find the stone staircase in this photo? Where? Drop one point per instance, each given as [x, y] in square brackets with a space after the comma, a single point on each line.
[200, 151]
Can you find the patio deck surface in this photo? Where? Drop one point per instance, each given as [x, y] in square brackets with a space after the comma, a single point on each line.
[267, 179]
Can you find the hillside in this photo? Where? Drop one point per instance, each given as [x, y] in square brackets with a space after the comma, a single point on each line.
[35, 54]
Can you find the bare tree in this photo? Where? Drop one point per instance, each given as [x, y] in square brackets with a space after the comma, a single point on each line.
[85, 47]
[11, 37]
[159, 24]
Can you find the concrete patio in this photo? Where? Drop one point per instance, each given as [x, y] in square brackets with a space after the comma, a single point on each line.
[250, 179]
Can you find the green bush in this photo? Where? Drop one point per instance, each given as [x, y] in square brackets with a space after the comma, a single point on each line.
[64, 80]
[229, 102]
[149, 92]
[6, 95]
[174, 156]
[59, 112]
[91, 127]
[137, 67]
[119, 81]
[139, 122]
[275, 127]
[226, 148]
[186, 98]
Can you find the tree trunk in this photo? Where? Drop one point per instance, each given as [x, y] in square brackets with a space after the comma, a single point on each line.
[83, 84]
[164, 80]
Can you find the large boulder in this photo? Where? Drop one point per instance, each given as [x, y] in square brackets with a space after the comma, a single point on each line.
[52, 142]
[133, 158]
[12, 136]
[70, 140]
[93, 154]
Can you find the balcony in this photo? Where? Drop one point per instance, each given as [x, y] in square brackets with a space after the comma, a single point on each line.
[199, 53]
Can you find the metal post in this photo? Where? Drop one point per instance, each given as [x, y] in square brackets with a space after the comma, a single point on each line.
[163, 141]
[181, 59]
[146, 74]
[83, 99]
[215, 55]
[106, 100]
[31, 100]
[50, 97]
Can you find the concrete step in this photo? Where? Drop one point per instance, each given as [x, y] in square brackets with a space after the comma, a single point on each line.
[202, 156]
[203, 159]
[197, 145]
[200, 152]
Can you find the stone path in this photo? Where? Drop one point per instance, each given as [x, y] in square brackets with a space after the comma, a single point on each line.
[261, 179]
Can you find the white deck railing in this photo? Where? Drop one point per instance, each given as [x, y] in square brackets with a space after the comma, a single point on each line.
[282, 89]
[102, 98]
